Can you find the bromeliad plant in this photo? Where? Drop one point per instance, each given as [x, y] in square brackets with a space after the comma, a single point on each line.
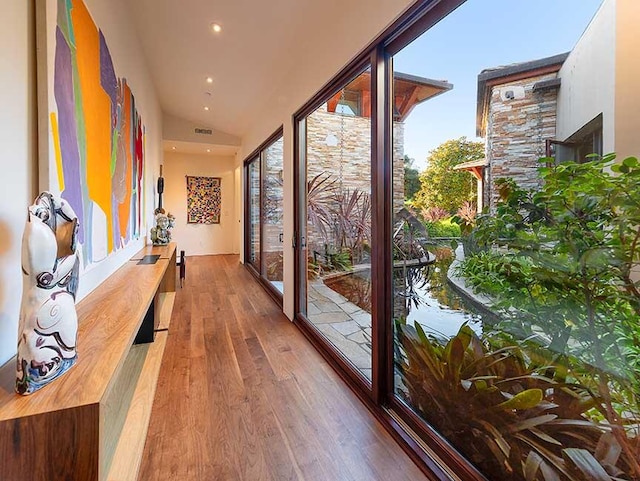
[513, 410]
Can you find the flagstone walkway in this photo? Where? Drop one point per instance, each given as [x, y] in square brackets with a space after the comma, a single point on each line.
[345, 325]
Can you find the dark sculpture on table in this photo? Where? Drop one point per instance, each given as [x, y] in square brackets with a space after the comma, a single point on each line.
[161, 233]
[48, 325]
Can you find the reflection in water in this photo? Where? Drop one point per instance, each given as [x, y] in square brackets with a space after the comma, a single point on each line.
[421, 294]
[431, 301]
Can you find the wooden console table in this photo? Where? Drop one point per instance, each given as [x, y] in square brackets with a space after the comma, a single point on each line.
[91, 423]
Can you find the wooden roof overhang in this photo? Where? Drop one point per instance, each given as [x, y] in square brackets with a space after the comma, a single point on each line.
[409, 91]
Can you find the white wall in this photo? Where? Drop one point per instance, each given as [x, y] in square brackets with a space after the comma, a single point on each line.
[627, 106]
[18, 185]
[201, 239]
[17, 156]
[323, 61]
[174, 128]
[588, 79]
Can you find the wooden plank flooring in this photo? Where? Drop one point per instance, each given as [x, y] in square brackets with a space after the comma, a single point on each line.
[242, 395]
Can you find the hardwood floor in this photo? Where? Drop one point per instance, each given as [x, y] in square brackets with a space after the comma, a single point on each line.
[242, 395]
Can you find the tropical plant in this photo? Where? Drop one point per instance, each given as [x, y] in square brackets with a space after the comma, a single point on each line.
[568, 254]
[320, 191]
[515, 410]
[352, 222]
[434, 214]
[341, 217]
[466, 217]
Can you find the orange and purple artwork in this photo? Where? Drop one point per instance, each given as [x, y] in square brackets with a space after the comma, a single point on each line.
[97, 134]
[203, 200]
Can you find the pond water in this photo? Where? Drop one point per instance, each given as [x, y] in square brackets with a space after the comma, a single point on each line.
[422, 294]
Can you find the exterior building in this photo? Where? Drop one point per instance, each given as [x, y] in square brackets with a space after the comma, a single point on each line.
[339, 136]
[566, 106]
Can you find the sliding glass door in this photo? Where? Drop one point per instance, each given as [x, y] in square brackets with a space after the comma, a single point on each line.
[253, 217]
[472, 280]
[272, 233]
[335, 222]
[264, 215]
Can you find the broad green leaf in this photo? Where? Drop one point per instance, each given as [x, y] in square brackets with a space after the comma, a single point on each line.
[524, 400]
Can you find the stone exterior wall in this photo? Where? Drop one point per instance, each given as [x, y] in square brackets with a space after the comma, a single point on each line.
[350, 157]
[516, 133]
[273, 197]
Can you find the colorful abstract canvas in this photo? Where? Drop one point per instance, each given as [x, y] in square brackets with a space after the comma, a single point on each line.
[94, 154]
[203, 200]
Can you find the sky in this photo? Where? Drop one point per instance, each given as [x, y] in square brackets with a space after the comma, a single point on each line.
[481, 34]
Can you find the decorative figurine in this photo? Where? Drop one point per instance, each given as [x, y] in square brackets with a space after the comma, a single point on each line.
[48, 326]
[160, 234]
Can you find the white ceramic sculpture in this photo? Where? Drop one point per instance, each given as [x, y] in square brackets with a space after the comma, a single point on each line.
[48, 326]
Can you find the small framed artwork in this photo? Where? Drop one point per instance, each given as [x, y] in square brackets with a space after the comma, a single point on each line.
[204, 197]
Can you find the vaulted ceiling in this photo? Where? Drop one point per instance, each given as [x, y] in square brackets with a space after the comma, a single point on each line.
[260, 47]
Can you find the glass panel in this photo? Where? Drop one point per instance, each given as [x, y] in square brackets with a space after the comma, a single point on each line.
[254, 212]
[517, 330]
[338, 223]
[272, 233]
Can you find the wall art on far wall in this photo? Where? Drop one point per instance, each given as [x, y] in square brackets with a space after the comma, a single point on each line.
[204, 198]
[91, 135]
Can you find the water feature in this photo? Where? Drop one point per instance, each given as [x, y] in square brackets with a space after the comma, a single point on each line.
[422, 294]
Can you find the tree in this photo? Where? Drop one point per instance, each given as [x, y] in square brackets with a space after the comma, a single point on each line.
[440, 185]
[411, 179]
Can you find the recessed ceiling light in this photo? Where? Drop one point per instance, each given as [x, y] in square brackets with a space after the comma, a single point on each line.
[216, 27]
[208, 150]
[173, 148]
[206, 108]
[209, 80]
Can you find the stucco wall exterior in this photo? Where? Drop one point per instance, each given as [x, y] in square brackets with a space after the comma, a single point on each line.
[588, 79]
[627, 73]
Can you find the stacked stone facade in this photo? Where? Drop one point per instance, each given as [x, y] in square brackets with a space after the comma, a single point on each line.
[517, 130]
[273, 197]
[346, 157]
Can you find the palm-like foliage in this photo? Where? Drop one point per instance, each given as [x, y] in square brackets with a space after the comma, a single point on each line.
[514, 412]
[320, 191]
[341, 217]
[352, 229]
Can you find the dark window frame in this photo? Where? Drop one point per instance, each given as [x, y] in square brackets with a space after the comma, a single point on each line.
[257, 155]
[433, 454]
[590, 133]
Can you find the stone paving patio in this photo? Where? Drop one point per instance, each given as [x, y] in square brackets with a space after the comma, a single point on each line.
[343, 323]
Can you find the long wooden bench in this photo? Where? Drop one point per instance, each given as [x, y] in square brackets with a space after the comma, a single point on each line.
[91, 423]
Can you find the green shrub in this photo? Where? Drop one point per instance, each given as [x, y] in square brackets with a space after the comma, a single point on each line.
[443, 228]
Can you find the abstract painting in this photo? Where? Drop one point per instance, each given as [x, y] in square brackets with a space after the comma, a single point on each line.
[93, 155]
[203, 200]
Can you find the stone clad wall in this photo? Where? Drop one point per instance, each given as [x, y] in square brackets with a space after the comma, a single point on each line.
[273, 198]
[352, 136]
[516, 133]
